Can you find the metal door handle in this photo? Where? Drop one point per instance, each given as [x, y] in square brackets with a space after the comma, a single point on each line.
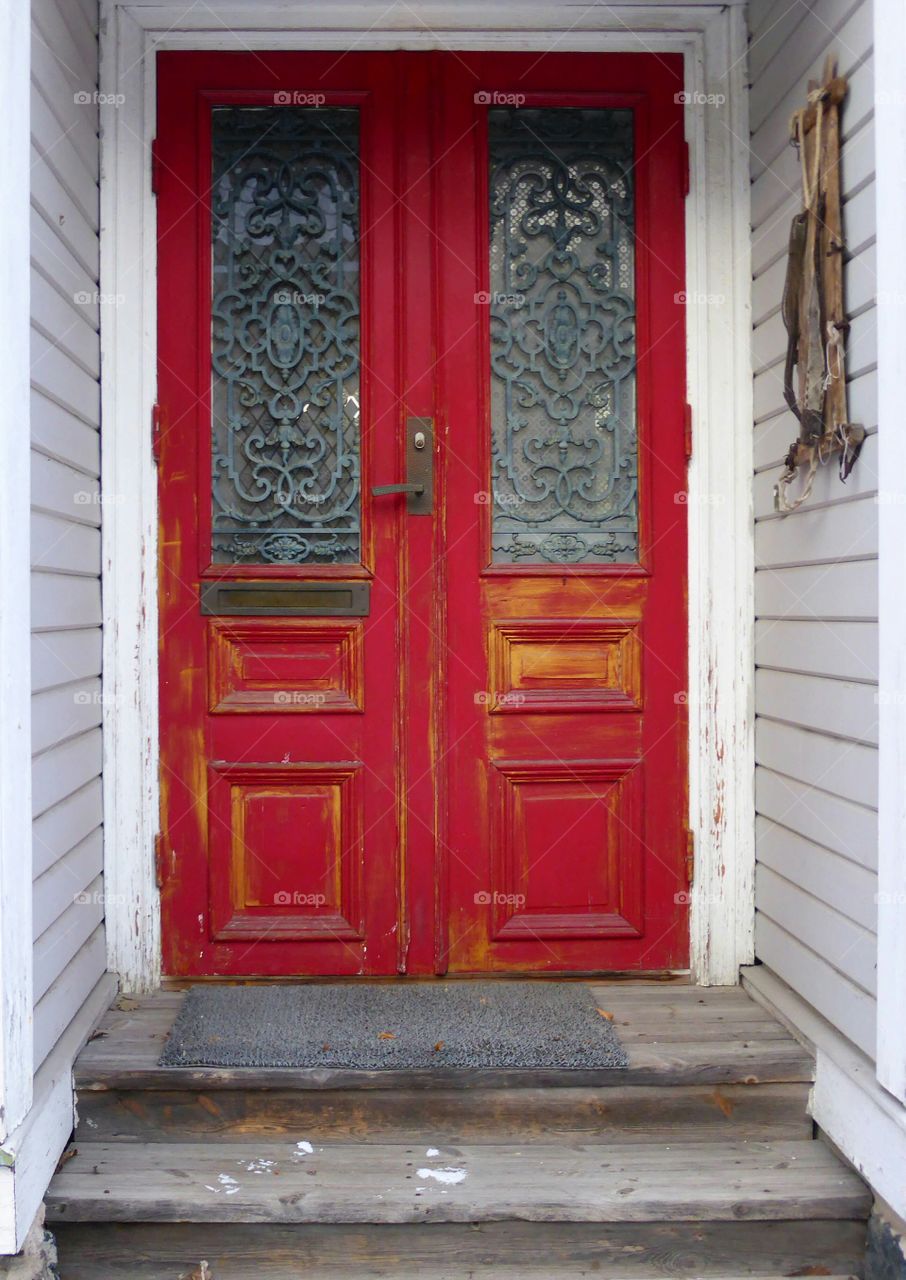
[419, 485]
[380, 489]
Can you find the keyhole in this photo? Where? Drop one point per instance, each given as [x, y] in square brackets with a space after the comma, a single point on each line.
[418, 440]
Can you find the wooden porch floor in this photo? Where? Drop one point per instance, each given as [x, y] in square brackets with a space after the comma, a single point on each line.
[698, 1160]
[674, 1033]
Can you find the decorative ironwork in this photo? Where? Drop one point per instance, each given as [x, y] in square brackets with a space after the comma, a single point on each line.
[562, 297]
[285, 335]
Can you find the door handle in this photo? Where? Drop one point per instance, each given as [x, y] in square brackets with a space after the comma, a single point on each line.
[419, 483]
[380, 489]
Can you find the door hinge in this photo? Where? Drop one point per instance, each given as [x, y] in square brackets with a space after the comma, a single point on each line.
[687, 431]
[690, 856]
[685, 179]
[160, 871]
[155, 433]
[155, 166]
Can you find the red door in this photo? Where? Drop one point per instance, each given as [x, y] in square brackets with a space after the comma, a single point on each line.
[439, 729]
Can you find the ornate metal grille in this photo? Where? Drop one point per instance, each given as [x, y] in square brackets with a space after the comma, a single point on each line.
[562, 279]
[285, 335]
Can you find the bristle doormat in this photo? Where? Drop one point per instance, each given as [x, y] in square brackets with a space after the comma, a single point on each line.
[394, 1027]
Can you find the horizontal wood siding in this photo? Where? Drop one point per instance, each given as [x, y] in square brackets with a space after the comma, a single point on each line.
[69, 948]
[816, 570]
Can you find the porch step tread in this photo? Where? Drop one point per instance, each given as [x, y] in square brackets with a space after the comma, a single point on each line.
[673, 1034]
[441, 1117]
[461, 1251]
[392, 1183]
[279, 1269]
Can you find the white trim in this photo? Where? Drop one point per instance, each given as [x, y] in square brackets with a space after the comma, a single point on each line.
[16, 1050]
[847, 1103]
[721, 556]
[721, 525]
[890, 146]
[31, 1154]
[129, 528]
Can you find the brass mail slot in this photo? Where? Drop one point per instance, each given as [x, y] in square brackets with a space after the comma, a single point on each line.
[306, 599]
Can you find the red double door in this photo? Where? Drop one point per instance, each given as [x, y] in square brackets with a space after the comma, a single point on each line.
[439, 727]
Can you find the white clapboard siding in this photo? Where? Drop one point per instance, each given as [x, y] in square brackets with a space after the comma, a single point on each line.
[831, 591]
[60, 656]
[69, 950]
[851, 890]
[839, 650]
[815, 581]
[847, 769]
[63, 826]
[59, 435]
[56, 890]
[816, 586]
[64, 765]
[845, 945]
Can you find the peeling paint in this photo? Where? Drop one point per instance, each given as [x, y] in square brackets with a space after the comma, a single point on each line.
[228, 1186]
[449, 1176]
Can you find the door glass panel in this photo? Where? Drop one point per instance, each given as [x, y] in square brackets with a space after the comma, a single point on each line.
[562, 299]
[285, 336]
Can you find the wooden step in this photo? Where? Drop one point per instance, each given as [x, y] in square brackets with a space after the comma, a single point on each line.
[506, 1250]
[673, 1035]
[617, 1113]
[393, 1183]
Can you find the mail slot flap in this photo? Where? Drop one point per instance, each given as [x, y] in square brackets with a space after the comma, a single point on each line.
[306, 599]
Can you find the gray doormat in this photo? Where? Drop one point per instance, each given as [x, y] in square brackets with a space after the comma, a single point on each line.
[394, 1027]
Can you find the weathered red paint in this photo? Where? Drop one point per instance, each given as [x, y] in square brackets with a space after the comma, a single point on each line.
[418, 799]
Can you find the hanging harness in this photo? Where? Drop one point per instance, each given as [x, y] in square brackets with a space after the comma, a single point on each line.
[814, 375]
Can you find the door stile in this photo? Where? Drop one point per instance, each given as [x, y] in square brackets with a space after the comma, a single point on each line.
[421, 590]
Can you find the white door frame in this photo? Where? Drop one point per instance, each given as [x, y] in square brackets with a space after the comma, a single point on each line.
[712, 38]
[890, 144]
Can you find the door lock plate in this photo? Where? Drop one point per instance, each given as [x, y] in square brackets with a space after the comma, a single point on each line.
[420, 465]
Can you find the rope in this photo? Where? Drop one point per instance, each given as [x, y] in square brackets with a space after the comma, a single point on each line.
[797, 137]
[833, 355]
[781, 502]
